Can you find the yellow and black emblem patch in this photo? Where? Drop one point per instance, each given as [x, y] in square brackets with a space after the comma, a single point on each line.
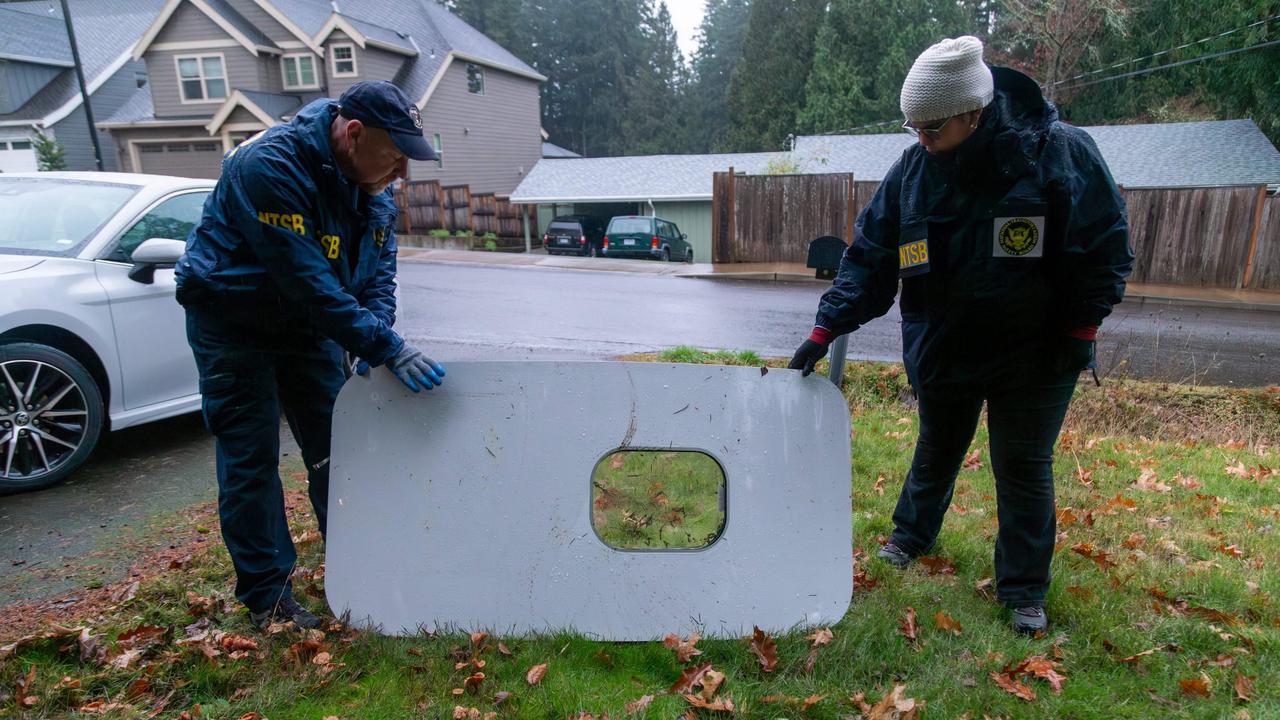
[379, 236]
[1018, 237]
[913, 254]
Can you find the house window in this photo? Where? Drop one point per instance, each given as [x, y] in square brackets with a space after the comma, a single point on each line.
[20, 145]
[344, 60]
[475, 79]
[439, 146]
[299, 72]
[202, 78]
[140, 78]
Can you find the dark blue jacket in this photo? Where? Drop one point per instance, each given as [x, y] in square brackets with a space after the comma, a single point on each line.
[1002, 247]
[289, 246]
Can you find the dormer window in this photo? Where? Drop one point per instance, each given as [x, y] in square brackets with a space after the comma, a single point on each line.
[299, 72]
[344, 60]
[202, 78]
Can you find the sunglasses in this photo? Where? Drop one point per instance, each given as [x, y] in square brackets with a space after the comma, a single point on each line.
[932, 132]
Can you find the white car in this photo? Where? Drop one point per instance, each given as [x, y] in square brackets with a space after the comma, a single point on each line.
[91, 338]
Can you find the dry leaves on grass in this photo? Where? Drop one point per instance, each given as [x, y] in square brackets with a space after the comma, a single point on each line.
[689, 678]
[1009, 678]
[893, 706]
[907, 625]
[818, 638]
[639, 705]
[1197, 687]
[685, 650]
[937, 565]
[946, 623]
[536, 673]
[765, 650]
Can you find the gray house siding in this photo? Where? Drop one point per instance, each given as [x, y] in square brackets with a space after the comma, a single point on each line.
[73, 131]
[188, 24]
[242, 68]
[375, 64]
[19, 81]
[240, 115]
[259, 18]
[488, 141]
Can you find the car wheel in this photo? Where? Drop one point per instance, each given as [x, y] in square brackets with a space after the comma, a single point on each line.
[689, 256]
[666, 254]
[51, 416]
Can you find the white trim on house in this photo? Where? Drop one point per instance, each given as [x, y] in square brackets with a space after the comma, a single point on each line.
[338, 22]
[195, 45]
[5, 56]
[291, 26]
[238, 99]
[333, 60]
[608, 198]
[448, 60]
[149, 124]
[172, 6]
[238, 127]
[284, 74]
[69, 106]
[291, 44]
[204, 88]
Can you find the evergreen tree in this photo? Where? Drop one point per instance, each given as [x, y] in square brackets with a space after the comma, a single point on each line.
[863, 52]
[768, 85]
[655, 122]
[721, 35]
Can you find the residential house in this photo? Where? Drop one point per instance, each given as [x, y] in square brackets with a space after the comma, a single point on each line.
[38, 88]
[223, 70]
[678, 187]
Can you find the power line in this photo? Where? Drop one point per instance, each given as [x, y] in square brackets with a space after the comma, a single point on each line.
[1179, 63]
[1133, 73]
[1166, 52]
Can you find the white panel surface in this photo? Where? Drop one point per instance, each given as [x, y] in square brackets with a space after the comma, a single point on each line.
[469, 506]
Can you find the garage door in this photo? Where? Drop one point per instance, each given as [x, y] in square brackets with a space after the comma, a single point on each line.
[184, 159]
[17, 156]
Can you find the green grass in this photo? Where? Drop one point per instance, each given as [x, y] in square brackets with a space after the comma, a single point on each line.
[686, 354]
[651, 499]
[1179, 546]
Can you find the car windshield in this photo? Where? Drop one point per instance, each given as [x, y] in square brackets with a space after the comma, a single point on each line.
[565, 227]
[55, 216]
[630, 225]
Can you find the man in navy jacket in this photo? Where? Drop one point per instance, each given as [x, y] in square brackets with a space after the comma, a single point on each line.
[293, 262]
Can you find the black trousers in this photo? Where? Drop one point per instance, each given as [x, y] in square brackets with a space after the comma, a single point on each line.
[1023, 424]
[247, 377]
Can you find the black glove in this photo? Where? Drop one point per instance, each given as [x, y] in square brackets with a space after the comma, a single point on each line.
[808, 355]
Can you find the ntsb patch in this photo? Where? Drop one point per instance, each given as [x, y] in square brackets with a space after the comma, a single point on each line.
[1017, 237]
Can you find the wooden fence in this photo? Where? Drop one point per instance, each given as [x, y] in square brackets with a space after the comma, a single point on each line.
[425, 205]
[1227, 237]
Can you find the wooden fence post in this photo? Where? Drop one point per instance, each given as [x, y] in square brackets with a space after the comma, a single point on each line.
[732, 210]
[1247, 276]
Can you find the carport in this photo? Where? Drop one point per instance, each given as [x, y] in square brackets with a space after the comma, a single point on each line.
[673, 187]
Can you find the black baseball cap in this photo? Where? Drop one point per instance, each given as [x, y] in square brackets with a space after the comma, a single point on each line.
[383, 105]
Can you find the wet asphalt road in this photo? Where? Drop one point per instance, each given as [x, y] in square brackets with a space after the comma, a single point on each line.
[467, 312]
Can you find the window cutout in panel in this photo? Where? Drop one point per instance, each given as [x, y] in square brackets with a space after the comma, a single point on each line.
[658, 500]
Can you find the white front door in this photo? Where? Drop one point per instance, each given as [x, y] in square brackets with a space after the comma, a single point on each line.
[151, 337]
[17, 155]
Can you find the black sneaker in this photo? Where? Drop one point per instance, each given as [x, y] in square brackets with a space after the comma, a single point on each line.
[1030, 620]
[895, 555]
[287, 610]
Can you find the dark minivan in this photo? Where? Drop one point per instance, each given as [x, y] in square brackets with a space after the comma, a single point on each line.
[645, 236]
[574, 235]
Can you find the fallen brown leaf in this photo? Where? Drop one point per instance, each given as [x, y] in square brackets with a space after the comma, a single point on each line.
[639, 705]
[721, 705]
[1013, 687]
[946, 623]
[684, 649]
[1197, 687]
[893, 706]
[765, 649]
[907, 625]
[536, 673]
[1244, 687]
[937, 565]
[689, 677]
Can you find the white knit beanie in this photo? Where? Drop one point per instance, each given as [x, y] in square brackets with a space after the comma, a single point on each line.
[947, 79]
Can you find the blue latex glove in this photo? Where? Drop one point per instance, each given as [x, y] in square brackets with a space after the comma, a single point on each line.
[362, 367]
[415, 369]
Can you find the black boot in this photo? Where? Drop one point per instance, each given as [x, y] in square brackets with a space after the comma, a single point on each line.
[1030, 620]
[286, 610]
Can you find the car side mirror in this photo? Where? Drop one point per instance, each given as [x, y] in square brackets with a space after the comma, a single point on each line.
[154, 253]
[684, 236]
